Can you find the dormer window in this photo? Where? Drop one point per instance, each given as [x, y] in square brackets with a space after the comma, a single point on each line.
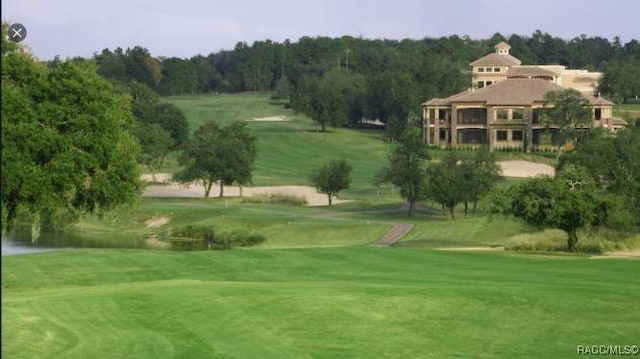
[480, 69]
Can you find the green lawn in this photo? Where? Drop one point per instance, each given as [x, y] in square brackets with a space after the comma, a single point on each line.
[303, 303]
[288, 151]
[289, 226]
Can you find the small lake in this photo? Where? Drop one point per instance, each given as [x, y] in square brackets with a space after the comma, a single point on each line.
[19, 241]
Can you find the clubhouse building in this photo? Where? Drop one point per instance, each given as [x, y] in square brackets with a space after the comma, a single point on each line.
[503, 107]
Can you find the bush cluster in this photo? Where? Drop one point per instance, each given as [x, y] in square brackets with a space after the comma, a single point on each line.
[554, 241]
[199, 237]
[274, 198]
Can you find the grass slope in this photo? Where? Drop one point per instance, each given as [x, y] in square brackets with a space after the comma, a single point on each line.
[303, 303]
[288, 151]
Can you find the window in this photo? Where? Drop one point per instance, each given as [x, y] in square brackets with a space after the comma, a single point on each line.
[489, 83]
[598, 114]
[517, 135]
[517, 114]
[472, 116]
[480, 69]
[480, 84]
[496, 69]
[502, 114]
[501, 135]
[489, 69]
[443, 135]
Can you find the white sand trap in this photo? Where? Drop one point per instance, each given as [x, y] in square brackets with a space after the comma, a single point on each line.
[194, 190]
[525, 169]
[280, 118]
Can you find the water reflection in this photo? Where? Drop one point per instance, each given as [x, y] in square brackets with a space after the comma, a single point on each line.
[19, 241]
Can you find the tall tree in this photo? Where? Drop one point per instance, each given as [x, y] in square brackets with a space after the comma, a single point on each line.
[65, 140]
[567, 202]
[446, 182]
[155, 143]
[567, 109]
[480, 175]
[407, 167]
[331, 178]
[215, 154]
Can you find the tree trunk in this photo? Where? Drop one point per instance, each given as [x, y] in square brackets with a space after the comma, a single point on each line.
[322, 126]
[207, 188]
[411, 204]
[221, 188]
[466, 207]
[475, 205]
[451, 210]
[572, 240]
[330, 198]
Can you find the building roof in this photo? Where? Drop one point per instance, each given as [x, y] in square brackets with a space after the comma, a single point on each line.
[598, 101]
[445, 101]
[529, 71]
[615, 121]
[511, 92]
[502, 45]
[497, 60]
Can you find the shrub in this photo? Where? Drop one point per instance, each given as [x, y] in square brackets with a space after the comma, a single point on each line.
[274, 198]
[199, 237]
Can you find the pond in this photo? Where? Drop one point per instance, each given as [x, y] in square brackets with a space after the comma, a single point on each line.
[19, 241]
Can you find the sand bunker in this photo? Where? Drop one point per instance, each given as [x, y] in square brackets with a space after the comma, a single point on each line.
[280, 118]
[525, 169]
[162, 186]
[194, 190]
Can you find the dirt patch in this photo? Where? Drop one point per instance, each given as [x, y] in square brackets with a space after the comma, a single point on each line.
[195, 190]
[157, 222]
[525, 169]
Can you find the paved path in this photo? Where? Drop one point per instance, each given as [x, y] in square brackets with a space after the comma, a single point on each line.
[395, 234]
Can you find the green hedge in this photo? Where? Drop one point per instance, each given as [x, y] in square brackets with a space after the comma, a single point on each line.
[199, 237]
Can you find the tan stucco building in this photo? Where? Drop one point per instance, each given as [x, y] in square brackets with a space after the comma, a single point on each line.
[501, 65]
[503, 110]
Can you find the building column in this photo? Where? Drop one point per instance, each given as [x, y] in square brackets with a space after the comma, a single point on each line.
[528, 133]
[454, 126]
[436, 130]
[427, 124]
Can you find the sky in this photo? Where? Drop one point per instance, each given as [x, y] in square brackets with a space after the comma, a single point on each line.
[185, 28]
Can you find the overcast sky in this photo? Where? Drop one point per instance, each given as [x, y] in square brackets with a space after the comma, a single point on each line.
[189, 27]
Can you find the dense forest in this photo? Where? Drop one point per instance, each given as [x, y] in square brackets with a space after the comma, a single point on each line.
[384, 79]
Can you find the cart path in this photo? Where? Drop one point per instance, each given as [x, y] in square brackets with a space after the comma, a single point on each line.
[395, 234]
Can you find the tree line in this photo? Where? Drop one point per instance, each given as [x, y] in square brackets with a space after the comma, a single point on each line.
[379, 79]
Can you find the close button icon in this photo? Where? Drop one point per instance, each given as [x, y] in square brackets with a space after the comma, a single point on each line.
[17, 32]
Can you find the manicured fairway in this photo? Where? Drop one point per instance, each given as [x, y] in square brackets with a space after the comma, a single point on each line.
[288, 151]
[302, 303]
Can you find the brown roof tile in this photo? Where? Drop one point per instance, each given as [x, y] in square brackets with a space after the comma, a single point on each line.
[496, 60]
[598, 101]
[527, 71]
[511, 92]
